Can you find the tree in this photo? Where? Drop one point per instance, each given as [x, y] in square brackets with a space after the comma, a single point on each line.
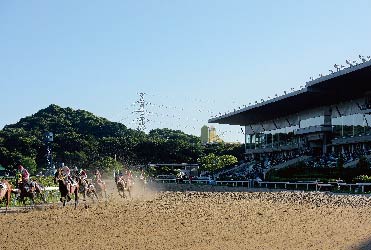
[227, 160]
[108, 164]
[212, 162]
[82, 139]
[30, 164]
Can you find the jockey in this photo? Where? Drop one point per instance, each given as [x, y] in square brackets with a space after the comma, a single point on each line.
[98, 176]
[25, 178]
[67, 173]
[142, 176]
[128, 175]
[24, 174]
[75, 173]
[83, 175]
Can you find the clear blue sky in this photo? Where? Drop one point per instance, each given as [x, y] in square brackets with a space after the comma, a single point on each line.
[192, 58]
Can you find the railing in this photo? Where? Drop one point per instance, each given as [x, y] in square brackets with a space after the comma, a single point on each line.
[166, 180]
[266, 183]
[45, 188]
[234, 183]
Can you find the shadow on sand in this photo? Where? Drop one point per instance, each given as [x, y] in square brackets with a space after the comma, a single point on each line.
[366, 245]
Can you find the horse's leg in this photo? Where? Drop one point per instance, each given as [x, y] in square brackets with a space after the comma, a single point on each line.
[63, 197]
[123, 192]
[84, 194]
[33, 202]
[96, 195]
[7, 200]
[42, 196]
[76, 191]
[23, 198]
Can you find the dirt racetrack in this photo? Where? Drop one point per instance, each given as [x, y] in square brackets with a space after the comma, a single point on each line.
[187, 217]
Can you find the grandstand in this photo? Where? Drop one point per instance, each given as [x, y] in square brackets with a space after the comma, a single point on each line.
[328, 118]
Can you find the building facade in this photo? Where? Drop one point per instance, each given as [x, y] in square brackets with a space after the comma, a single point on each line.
[330, 114]
[209, 135]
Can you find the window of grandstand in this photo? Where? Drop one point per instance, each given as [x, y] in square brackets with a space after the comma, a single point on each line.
[273, 138]
[368, 102]
[352, 125]
[311, 122]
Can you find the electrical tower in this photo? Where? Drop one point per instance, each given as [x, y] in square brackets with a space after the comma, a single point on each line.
[141, 111]
[48, 140]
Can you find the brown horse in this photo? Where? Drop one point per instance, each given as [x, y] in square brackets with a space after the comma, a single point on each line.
[101, 188]
[123, 185]
[66, 188]
[5, 192]
[30, 190]
[87, 189]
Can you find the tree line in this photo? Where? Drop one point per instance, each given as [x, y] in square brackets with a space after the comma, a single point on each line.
[84, 140]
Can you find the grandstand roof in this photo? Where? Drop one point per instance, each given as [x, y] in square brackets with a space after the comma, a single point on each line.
[344, 85]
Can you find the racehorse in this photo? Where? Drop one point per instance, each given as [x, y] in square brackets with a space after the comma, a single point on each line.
[142, 182]
[87, 189]
[5, 192]
[100, 188]
[66, 188]
[30, 190]
[124, 184]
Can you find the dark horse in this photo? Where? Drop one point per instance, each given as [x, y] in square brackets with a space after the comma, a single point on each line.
[66, 188]
[30, 190]
[5, 192]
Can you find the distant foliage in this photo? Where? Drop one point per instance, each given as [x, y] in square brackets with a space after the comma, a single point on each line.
[212, 162]
[30, 164]
[86, 141]
[363, 179]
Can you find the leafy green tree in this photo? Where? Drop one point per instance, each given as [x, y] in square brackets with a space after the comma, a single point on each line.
[30, 164]
[227, 160]
[108, 164]
[208, 162]
[212, 162]
[82, 139]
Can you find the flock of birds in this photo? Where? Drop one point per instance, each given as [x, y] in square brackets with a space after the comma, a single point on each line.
[338, 67]
[151, 113]
[180, 118]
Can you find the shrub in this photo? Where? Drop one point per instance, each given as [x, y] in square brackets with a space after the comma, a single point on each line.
[362, 179]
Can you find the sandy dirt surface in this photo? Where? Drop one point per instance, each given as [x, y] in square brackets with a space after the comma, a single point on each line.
[196, 217]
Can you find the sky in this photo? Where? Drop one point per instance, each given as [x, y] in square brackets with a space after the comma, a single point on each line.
[192, 58]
